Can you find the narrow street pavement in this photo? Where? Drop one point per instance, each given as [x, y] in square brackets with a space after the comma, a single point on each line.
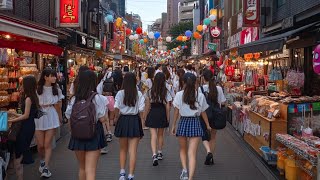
[233, 161]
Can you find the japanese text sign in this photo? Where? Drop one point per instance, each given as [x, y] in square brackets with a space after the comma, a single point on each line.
[69, 13]
[251, 13]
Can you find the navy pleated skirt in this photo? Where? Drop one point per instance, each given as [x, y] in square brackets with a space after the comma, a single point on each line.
[129, 126]
[189, 127]
[96, 143]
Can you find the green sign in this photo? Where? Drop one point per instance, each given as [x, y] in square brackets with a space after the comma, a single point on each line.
[316, 106]
[212, 46]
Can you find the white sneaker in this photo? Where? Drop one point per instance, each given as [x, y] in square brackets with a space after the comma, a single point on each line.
[46, 173]
[184, 175]
[42, 166]
[122, 176]
[104, 150]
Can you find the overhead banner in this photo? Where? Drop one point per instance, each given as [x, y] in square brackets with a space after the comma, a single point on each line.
[68, 13]
[251, 13]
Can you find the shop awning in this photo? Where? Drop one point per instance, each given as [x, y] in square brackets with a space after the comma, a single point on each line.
[30, 32]
[270, 43]
[32, 46]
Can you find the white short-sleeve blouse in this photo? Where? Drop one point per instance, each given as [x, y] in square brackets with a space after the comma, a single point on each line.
[221, 97]
[185, 110]
[99, 101]
[127, 110]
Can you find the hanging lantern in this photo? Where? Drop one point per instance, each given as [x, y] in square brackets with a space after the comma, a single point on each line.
[151, 35]
[139, 30]
[128, 31]
[168, 39]
[199, 28]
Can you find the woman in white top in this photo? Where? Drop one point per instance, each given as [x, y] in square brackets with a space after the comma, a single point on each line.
[50, 97]
[129, 106]
[178, 81]
[216, 95]
[189, 105]
[88, 151]
[146, 87]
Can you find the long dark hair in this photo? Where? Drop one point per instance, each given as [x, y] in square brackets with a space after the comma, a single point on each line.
[166, 72]
[46, 73]
[76, 80]
[150, 72]
[117, 79]
[86, 86]
[180, 74]
[130, 89]
[213, 92]
[29, 89]
[158, 90]
[189, 94]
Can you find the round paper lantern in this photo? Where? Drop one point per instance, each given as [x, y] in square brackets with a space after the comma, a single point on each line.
[204, 27]
[131, 37]
[168, 39]
[128, 31]
[206, 21]
[212, 17]
[118, 22]
[184, 38]
[139, 30]
[316, 59]
[196, 35]
[199, 28]
[145, 33]
[179, 38]
[145, 40]
[157, 35]
[151, 35]
[141, 41]
[109, 18]
[136, 36]
[188, 33]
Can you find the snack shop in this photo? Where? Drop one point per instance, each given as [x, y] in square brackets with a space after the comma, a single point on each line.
[272, 86]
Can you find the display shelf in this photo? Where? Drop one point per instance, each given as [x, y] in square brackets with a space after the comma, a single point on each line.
[301, 153]
[301, 166]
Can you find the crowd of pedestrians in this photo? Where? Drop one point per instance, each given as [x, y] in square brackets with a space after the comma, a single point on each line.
[133, 102]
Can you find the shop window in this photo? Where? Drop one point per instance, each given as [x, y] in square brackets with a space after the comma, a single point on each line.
[280, 3]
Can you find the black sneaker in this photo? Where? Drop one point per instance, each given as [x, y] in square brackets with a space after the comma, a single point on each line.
[46, 173]
[209, 159]
[160, 156]
[155, 160]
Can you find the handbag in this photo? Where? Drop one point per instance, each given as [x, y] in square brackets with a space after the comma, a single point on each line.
[14, 131]
[3, 121]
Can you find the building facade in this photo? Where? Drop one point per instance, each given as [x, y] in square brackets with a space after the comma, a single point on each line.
[185, 10]
[172, 10]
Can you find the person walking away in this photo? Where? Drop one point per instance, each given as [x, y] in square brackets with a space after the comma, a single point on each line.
[87, 150]
[189, 105]
[73, 85]
[158, 68]
[215, 94]
[129, 106]
[147, 86]
[178, 82]
[30, 106]
[50, 97]
[158, 117]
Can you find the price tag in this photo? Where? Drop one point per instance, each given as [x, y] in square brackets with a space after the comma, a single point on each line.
[270, 114]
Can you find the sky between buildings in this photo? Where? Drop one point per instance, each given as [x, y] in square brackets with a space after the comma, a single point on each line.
[149, 10]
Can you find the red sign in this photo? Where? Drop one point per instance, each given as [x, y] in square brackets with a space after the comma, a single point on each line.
[69, 13]
[215, 32]
[249, 35]
[251, 13]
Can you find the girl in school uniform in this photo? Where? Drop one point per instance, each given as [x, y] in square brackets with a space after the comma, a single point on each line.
[158, 116]
[129, 106]
[189, 105]
[178, 81]
[50, 97]
[88, 151]
[215, 94]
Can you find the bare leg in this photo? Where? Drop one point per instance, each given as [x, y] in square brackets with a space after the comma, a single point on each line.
[49, 134]
[91, 162]
[123, 152]
[207, 145]
[82, 165]
[161, 138]
[153, 133]
[133, 146]
[192, 154]
[18, 167]
[40, 143]
[183, 142]
[213, 140]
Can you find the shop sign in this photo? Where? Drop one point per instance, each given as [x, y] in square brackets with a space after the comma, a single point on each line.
[234, 41]
[251, 13]
[250, 56]
[287, 23]
[97, 44]
[249, 35]
[6, 4]
[81, 41]
[68, 13]
[215, 32]
[212, 46]
[90, 43]
[240, 21]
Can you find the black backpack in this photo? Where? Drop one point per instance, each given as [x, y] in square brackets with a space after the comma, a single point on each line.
[217, 116]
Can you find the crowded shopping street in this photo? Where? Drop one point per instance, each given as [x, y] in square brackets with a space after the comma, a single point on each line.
[160, 89]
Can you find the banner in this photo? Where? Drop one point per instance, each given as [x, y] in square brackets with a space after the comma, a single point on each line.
[251, 13]
[68, 13]
[249, 35]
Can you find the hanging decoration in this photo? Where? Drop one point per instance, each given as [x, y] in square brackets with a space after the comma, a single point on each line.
[118, 22]
[212, 17]
[151, 35]
[188, 33]
[206, 21]
[136, 37]
[199, 28]
[139, 30]
[131, 37]
[128, 32]
[168, 39]
[204, 27]
[316, 59]
[157, 35]
[108, 18]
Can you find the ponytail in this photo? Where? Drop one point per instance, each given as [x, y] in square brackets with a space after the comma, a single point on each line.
[189, 94]
[213, 92]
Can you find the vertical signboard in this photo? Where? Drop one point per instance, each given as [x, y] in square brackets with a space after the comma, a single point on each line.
[68, 13]
[249, 35]
[251, 13]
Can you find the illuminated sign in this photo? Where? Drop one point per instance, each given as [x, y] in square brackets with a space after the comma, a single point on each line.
[68, 12]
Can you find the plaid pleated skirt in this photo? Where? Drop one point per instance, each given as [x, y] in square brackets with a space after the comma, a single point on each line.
[189, 127]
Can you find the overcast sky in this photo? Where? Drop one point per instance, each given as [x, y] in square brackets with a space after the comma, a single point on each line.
[149, 10]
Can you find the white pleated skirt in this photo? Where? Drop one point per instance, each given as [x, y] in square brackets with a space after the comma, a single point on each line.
[50, 120]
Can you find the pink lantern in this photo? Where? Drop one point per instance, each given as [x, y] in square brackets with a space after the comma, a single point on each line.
[316, 59]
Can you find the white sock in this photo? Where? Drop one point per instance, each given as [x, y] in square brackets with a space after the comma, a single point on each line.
[130, 176]
[122, 171]
[159, 151]
[184, 170]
